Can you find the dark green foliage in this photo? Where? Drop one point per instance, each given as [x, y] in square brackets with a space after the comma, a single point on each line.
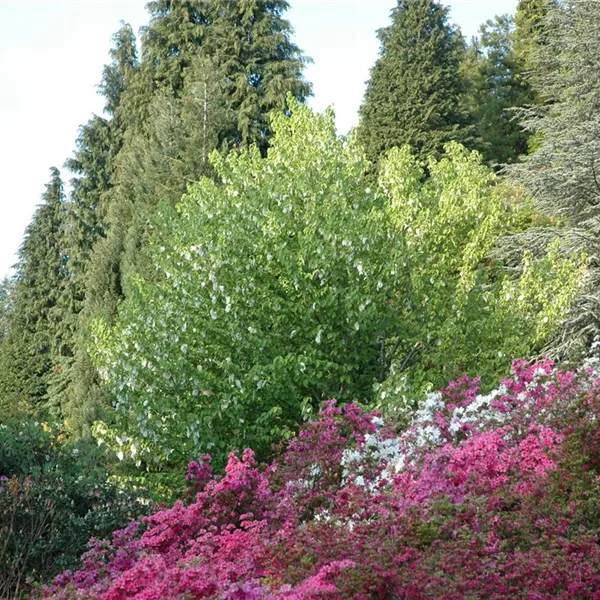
[32, 340]
[415, 87]
[497, 86]
[176, 33]
[249, 45]
[9, 405]
[117, 75]
[252, 47]
[94, 165]
[54, 496]
[85, 224]
[562, 176]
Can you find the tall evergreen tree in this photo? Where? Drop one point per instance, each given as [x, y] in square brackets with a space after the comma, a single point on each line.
[530, 31]
[93, 164]
[563, 174]
[117, 75]
[248, 43]
[31, 345]
[97, 146]
[498, 85]
[413, 95]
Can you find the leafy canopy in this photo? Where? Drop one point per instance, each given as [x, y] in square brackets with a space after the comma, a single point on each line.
[292, 281]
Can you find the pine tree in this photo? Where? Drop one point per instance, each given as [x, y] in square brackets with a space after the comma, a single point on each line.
[413, 95]
[31, 344]
[563, 174]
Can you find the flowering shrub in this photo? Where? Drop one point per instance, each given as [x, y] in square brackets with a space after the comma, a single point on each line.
[483, 496]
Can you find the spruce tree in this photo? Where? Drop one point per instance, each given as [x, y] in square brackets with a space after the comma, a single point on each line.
[413, 95]
[563, 174]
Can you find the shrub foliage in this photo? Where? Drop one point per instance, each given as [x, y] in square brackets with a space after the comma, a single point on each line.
[54, 496]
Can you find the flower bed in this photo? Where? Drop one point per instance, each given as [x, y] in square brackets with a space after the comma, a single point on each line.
[493, 496]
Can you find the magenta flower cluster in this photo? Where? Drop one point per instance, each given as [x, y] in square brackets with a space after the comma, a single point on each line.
[485, 496]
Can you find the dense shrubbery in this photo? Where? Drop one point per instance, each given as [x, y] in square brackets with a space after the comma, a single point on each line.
[54, 496]
[297, 278]
[484, 496]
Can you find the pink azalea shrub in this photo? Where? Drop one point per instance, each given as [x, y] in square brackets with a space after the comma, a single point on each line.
[484, 496]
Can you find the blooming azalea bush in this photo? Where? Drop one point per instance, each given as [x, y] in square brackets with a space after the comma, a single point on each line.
[483, 496]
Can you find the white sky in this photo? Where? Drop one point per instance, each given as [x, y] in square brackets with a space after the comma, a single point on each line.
[51, 58]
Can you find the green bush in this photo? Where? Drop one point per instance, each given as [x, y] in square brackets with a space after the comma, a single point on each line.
[54, 496]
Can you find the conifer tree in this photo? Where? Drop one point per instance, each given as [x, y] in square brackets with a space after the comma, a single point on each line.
[210, 74]
[413, 95]
[117, 75]
[93, 165]
[31, 345]
[7, 408]
[498, 86]
[530, 31]
[563, 174]
[247, 42]
[97, 146]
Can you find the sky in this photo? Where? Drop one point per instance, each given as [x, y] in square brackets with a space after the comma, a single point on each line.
[51, 58]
